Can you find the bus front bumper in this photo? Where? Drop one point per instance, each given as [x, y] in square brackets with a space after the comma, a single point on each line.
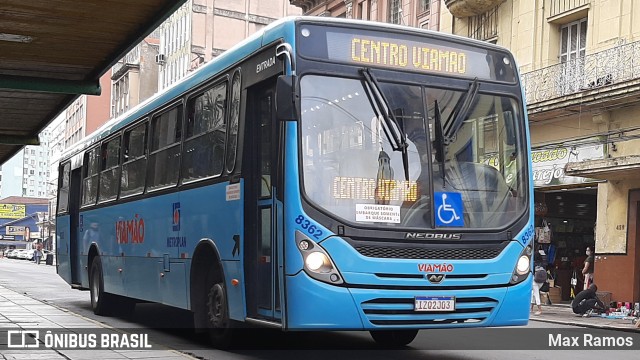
[313, 305]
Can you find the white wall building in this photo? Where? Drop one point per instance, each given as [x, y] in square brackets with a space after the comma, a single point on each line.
[26, 173]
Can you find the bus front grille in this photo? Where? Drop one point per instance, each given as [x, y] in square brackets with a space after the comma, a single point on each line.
[400, 311]
[389, 252]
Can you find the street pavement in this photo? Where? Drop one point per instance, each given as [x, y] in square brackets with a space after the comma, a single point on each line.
[32, 296]
[21, 312]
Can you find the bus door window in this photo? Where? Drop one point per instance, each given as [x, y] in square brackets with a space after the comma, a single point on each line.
[265, 146]
[205, 134]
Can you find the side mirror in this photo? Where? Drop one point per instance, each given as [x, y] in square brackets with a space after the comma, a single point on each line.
[287, 98]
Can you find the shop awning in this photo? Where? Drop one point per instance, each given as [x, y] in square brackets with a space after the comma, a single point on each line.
[617, 168]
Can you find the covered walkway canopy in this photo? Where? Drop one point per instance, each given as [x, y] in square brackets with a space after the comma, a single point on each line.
[52, 51]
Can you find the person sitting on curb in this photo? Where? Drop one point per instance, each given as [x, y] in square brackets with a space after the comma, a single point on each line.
[586, 301]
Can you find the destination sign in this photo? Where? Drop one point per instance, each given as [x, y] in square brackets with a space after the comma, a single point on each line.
[407, 54]
[405, 51]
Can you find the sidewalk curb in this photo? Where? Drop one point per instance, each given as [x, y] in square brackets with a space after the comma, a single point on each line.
[592, 326]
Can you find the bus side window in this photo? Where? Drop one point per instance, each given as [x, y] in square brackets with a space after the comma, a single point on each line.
[91, 168]
[110, 167]
[205, 134]
[164, 157]
[134, 166]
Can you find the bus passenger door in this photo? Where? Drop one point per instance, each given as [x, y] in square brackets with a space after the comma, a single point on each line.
[74, 214]
[262, 222]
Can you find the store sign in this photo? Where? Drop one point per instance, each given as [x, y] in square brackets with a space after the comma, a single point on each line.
[12, 211]
[548, 164]
[15, 230]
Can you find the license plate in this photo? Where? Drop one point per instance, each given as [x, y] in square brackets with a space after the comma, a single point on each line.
[435, 303]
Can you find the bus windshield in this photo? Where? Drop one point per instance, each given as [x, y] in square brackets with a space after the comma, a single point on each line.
[463, 164]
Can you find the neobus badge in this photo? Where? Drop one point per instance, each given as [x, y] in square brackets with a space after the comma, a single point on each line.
[415, 235]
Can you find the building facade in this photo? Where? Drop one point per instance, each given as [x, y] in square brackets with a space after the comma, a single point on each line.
[203, 29]
[26, 173]
[577, 62]
[135, 77]
[19, 222]
[87, 113]
[417, 13]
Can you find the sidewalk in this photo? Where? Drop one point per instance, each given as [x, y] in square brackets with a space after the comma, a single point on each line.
[562, 314]
[20, 312]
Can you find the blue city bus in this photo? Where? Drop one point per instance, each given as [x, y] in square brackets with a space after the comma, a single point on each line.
[324, 174]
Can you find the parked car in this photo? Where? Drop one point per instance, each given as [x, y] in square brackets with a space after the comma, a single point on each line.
[17, 253]
[27, 254]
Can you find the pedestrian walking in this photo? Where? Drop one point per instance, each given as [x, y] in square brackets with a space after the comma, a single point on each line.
[539, 278]
[37, 255]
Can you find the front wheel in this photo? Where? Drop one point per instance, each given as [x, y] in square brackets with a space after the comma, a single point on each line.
[393, 338]
[220, 331]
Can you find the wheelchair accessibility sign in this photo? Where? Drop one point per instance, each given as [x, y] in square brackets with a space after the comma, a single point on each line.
[449, 209]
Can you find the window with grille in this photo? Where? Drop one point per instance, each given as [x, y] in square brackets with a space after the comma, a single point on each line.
[484, 26]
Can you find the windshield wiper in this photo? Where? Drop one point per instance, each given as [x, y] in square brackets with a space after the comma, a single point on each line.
[397, 138]
[439, 140]
[460, 111]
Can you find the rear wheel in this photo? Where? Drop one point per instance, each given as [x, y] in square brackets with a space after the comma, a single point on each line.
[101, 303]
[393, 338]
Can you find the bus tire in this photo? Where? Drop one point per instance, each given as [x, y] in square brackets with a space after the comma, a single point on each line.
[393, 338]
[100, 301]
[220, 331]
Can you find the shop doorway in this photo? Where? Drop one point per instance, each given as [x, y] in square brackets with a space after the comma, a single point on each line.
[570, 216]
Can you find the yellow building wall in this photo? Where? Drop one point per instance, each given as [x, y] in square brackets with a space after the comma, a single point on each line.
[611, 228]
[525, 28]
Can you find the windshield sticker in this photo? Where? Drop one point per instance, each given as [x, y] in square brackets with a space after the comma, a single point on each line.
[377, 213]
[233, 192]
[449, 209]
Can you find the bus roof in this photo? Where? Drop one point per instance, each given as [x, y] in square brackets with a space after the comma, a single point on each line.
[282, 28]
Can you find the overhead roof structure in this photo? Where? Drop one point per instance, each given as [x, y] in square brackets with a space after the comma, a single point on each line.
[52, 51]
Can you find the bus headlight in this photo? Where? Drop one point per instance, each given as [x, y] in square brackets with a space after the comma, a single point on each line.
[523, 266]
[317, 263]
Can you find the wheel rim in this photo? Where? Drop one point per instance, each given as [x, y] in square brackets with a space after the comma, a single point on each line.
[216, 307]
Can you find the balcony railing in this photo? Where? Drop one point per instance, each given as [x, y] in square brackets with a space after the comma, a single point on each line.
[608, 67]
[132, 57]
[558, 7]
